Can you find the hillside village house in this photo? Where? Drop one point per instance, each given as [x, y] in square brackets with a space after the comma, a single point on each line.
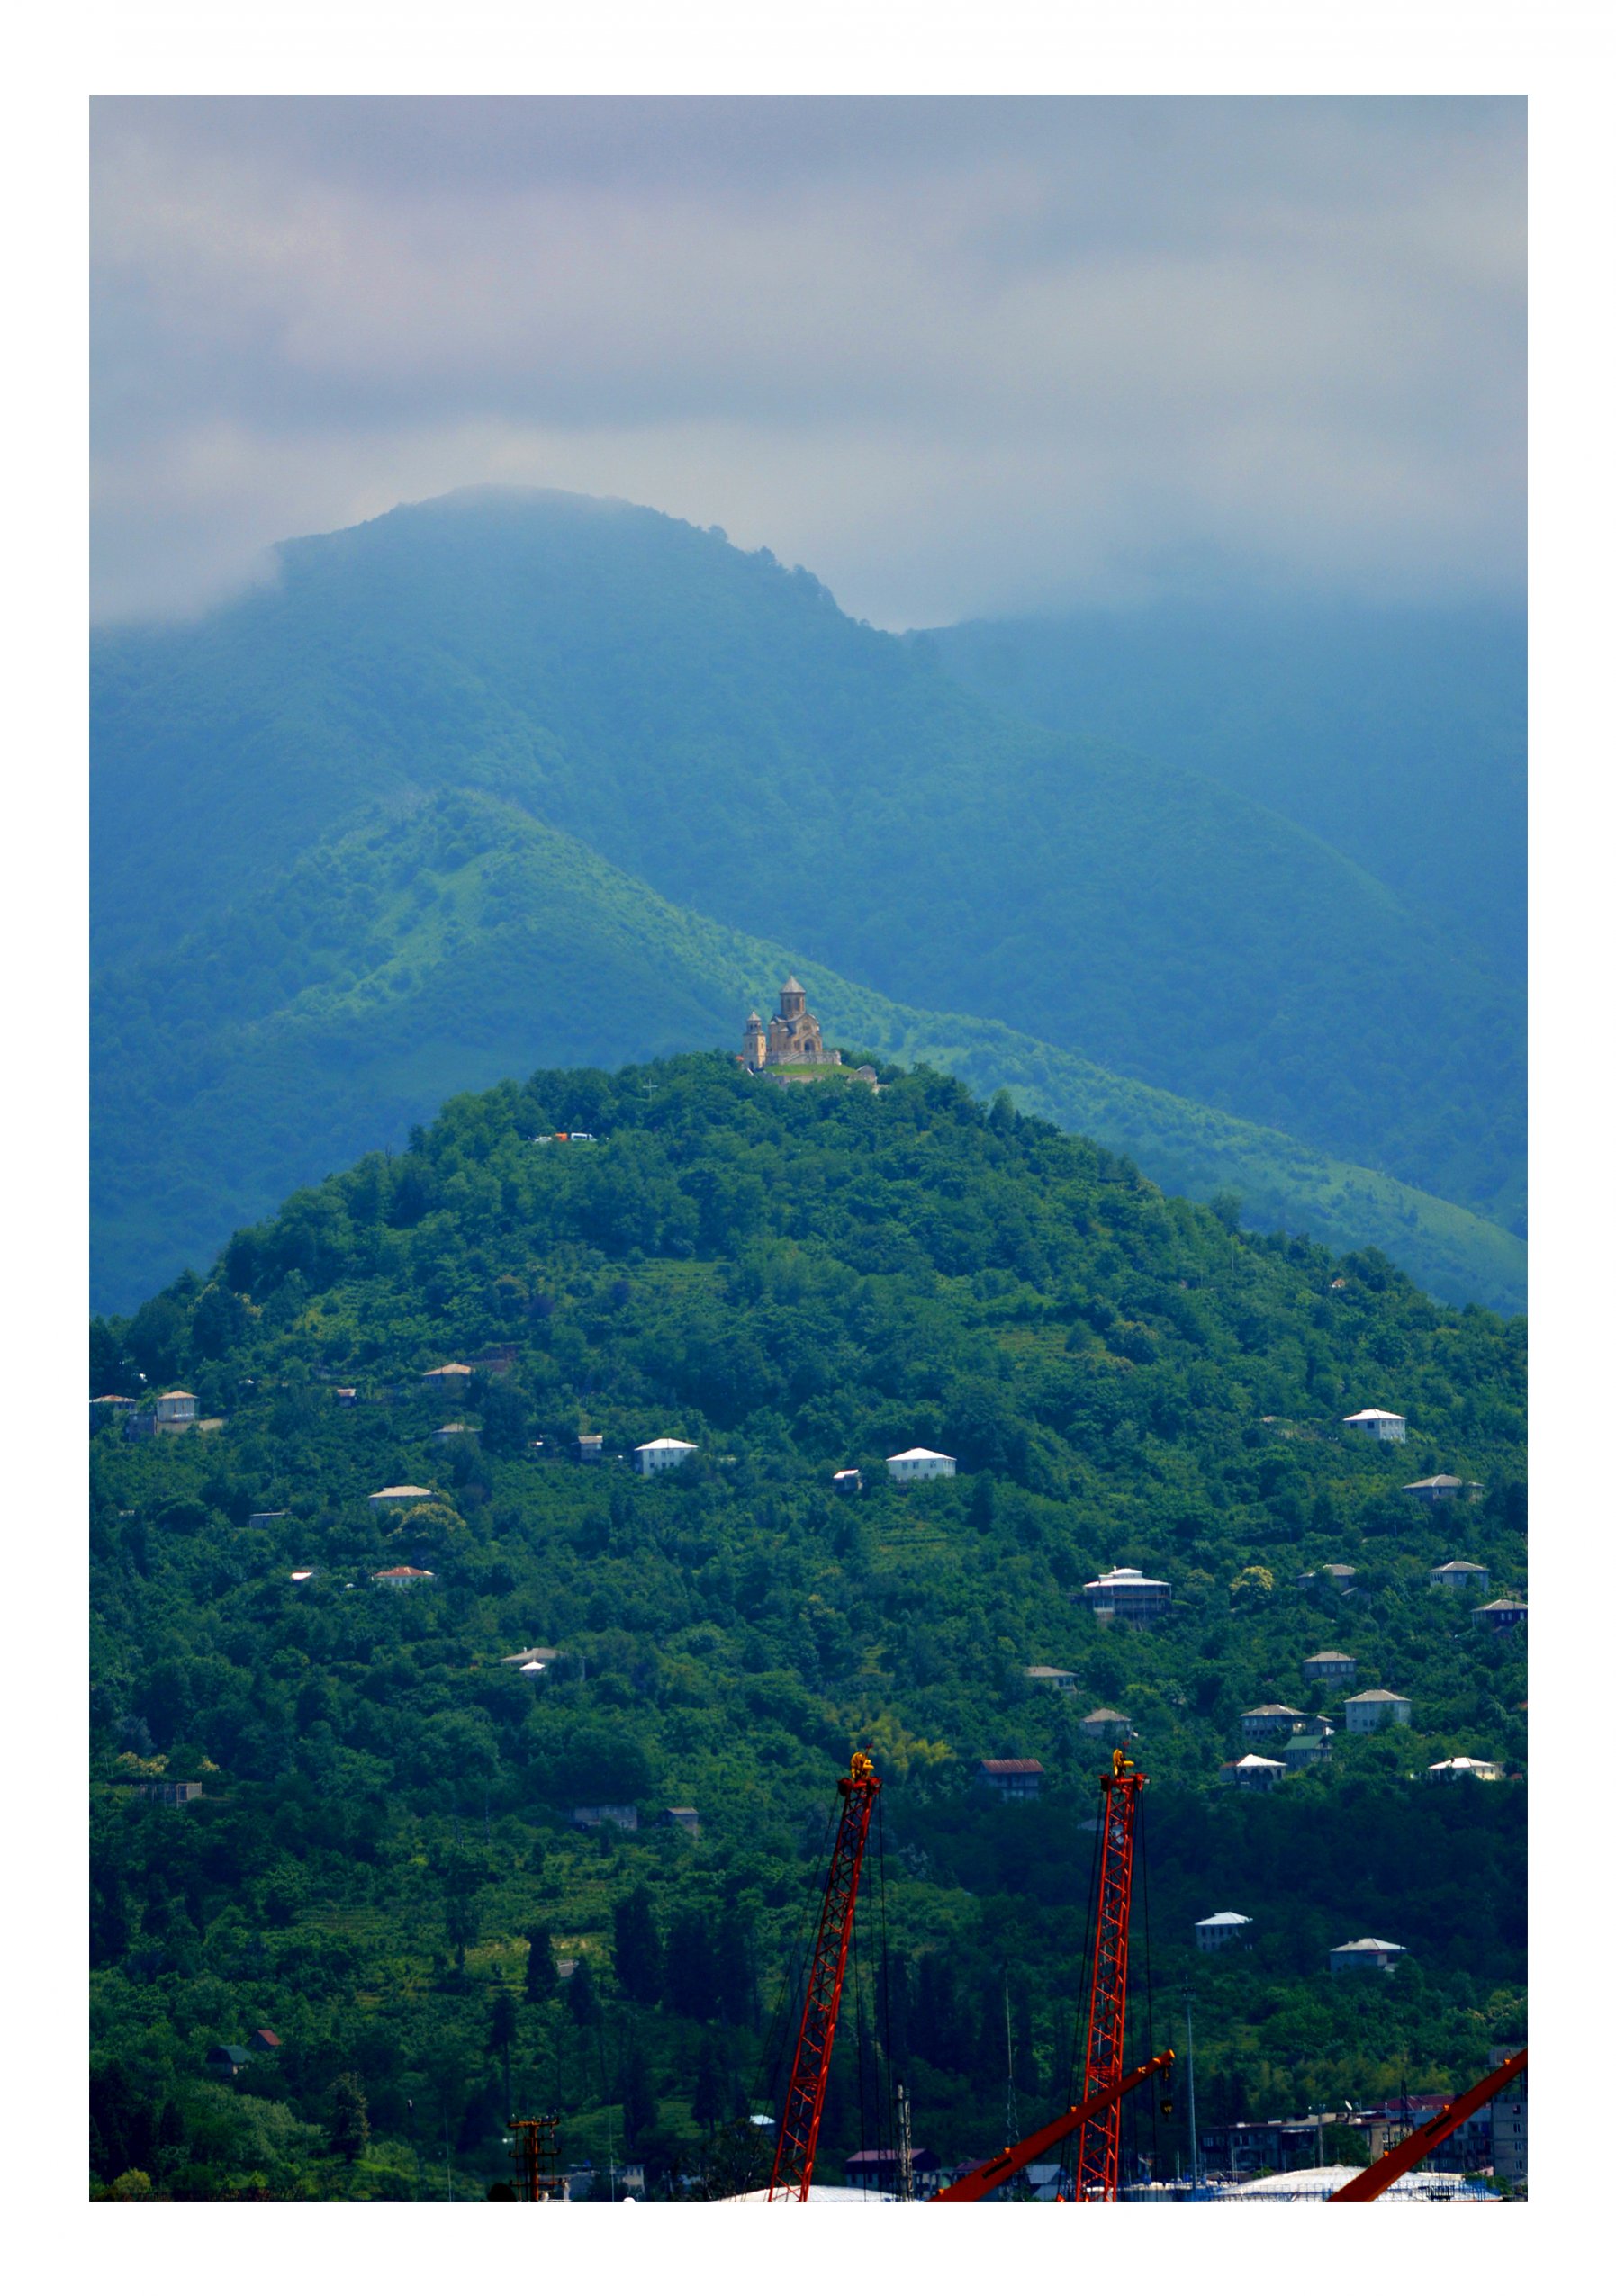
[1375, 1709]
[1253, 1773]
[919, 1466]
[401, 1575]
[224, 2058]
[590, 1450]
[1339, 1575]
[791, 1040]
[686, 1818]
[172, 1793]
[1017, 1780]
[1219, 1929]
[1272, 1722]
[400, 1496]
[449, 1379]
[1129, 1596]
[847, 1482]
[1502, 1615]
[1329, 1666]
[1382, 1426]
[1464, 1766]
[177, 1409]
[624, 1815]
[1363, 1953]
[1052, 1678]
[1307, 1747]
[666, 1451]
[1462, 1578]
[1108, 1724]
[1436, 1490]
[539, 1654]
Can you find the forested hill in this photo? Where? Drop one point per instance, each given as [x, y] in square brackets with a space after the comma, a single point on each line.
[381, 1869]
[434, 952]
[1397, 733]
[713, 726]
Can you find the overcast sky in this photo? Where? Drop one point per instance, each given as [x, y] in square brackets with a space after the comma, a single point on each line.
[959, 357]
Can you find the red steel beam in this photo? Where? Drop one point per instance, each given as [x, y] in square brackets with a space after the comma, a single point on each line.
[1369, 2183]
[991, 2173]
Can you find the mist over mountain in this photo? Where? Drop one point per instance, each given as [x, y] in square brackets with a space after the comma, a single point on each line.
[1396, 732]
[280, 985]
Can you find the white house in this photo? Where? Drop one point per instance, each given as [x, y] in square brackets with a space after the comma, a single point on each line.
[1463, 1766]
[1128, 1595]
[847, 1482]
[1383, 1427]
[1436, 1490]
[656, 1458]
[1363, 1953]
[1106, 1723]
[403, 1574]
[1462, 1578]
[1255, 1772]
[918, 1465]
[1219, 1929]
[177, 1409]
[1372, 1709]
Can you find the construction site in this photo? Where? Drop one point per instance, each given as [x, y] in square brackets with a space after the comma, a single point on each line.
[1101, 2147]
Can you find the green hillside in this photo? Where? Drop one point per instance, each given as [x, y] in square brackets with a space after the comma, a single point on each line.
[1396, 732]
[713, 725]
[434, 952]
[381, 1869]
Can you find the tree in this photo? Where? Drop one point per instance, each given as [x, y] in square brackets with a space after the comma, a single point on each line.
[706, 2105]
[638, 1945]
[540, 1981]
[348, 2117]
[583, 1999]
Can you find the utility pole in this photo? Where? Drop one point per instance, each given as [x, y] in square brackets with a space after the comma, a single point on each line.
[906, 2148]
[1189, 2056]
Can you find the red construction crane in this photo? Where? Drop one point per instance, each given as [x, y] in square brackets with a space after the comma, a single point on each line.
[1369, 2183]
[793, 2170]
[1099, 2144]
[990, 2175]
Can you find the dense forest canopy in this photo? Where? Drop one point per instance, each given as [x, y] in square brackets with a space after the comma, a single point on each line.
[381, 1868]
[708, 724]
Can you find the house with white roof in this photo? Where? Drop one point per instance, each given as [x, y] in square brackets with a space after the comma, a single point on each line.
[1254, 1773]
[1219, 1929]
[1329, 1666]
[1436, 1490]
[1381, 1427]
[1506, 1612]
[1105, 1722]
[1464, 1766]
[177, 1409]
[1272, 1722]
[919, 1465]
[1375, 1709]
[666, 1451]
[1363, 1953]
[1129, 1595]
[401, 1495]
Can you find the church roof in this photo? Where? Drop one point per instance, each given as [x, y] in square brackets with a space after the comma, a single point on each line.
[793, 987]
[754, 1020]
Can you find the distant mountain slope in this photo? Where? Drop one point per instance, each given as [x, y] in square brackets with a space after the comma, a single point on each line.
[1398, 733]
[439, 951]
[713, 724]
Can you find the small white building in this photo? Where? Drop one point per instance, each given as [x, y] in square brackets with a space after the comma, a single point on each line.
[918, 1465]
[1329, 1666]
[1219, 1929]
[1382, 1426]
[399, 1495]
[847, 1482]
[447, 1378]
[1464, 1766]
[1375, 1709]
[1253, 1773]
[178, 1409]
[1105, 1722]
[666, 1451]
[1051, 1677]
[540, 1654]
[1128, 1595]
[1363, 1953]
[1273, 1722]
[1462, 1578]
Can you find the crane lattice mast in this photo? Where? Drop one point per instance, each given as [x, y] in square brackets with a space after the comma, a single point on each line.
[1099, 2143]
[793, 2171]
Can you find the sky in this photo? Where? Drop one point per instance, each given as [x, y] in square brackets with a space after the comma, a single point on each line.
[959, 355]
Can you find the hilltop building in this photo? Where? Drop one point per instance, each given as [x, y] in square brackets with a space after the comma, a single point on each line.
[1017, 1780]
[1462, 1578]
[1382, 1426]
[791, 1040]
[1372, 1709]
[1502, 1615]
[654, 1458]
[1219, 1929]
[919, 1465]
[1363, 1953]
[1130, 1596]
[1329, 1666]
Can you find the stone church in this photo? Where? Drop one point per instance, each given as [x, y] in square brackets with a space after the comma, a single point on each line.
[791, 1039]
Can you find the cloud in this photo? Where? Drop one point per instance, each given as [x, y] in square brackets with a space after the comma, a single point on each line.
[957, 356]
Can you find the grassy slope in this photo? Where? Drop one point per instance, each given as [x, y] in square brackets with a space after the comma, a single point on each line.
[712, 724]
[435, 954]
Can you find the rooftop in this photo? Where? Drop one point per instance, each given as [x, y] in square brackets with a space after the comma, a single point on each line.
[899, 1457]
[1213, 1919]
[1366, 1697]
[1329, 1657]
[1355, 1417]
[1367, 1945]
